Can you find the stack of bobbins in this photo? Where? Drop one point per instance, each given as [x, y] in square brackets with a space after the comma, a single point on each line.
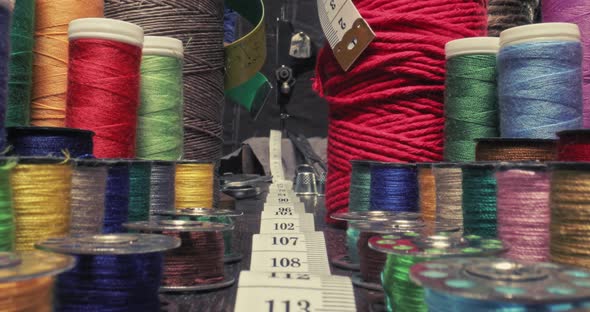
[402, 295]
[494, 284]
[114, 272]
[343, 261]
[212, 215]
[573, 145]
[26, 280]
[197, 265]
[515, 149]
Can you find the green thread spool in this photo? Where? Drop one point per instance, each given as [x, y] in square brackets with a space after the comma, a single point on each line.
[479, 200]
[359, 199]
[7, 225]
[471, 107]
[160, 125]
[139, 191]
[20, 69]
[406, 249]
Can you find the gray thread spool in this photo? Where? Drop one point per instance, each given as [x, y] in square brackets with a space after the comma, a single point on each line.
[88, 189]
[449, 192]
[504, 14]
[199, 24]
[161, 188]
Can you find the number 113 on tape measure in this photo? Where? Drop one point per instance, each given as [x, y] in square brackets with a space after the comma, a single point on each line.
[345, 29]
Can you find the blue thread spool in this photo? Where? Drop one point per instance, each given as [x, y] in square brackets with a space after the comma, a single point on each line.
[45, 141]
[116, 203]
[394, 187]
[540, 80]
[493, 284]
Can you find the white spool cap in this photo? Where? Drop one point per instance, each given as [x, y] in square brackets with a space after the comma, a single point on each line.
[107, 29]
[540, 32]
[164, 46]
[475, 45]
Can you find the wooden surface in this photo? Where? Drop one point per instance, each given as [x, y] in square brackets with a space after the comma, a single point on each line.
[223, 300]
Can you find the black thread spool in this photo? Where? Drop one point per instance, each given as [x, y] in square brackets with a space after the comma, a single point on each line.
[197, 265]
[212, 215]
[45, 141]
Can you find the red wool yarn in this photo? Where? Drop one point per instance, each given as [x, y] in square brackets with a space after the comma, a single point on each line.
[103, 94]
[573, 145]
[389, 106]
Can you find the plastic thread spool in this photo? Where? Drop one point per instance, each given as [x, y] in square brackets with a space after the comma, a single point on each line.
[544, 95]
[160, 127]
[194, 184]
[471, 107]
[371, 261]
[44, 141]
[26, 279]
[162, 188]
[115, 272]
[213, 215]
[449, 192]
[515, 149]
[403, 252]
[198, 264]
[493, 284]
[89, 181]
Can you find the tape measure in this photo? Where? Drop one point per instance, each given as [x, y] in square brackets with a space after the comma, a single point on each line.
[345, 29]
[275, 155]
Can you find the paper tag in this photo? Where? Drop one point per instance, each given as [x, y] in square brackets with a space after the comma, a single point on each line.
[345, 29]
[275, 155]
[294, 292]
[270, 223]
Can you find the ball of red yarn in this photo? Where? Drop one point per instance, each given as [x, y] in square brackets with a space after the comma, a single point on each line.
[573, 145]
[389, 106]
[103, 94]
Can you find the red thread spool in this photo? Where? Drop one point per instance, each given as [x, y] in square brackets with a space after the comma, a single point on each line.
[573, 145]
[104, 82]
[389, 106]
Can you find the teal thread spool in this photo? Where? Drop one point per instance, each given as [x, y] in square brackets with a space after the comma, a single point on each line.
[20, 68]
[160, 125]
[7, 225]
[471, 103]
[359, 199]
[139, 190]
[479, 199]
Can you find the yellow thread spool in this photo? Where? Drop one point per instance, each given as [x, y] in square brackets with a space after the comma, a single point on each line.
[41, 201]
[427, 193]
[194, 185]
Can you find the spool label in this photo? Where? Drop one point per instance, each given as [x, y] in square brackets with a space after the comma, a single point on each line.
[345, 29]
[300, 292]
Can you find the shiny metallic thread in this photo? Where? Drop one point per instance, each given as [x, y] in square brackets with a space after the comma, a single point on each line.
[449, 194]
[88, 189]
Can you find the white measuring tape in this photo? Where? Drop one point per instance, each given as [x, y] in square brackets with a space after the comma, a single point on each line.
[345, 29]
[294, 292]
[275, 156]
[270, 223]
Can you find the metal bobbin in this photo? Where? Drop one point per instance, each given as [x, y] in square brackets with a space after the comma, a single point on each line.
[27, 265]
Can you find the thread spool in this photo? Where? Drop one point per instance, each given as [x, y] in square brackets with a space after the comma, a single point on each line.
[427, 192]
[523, 211]
[159, 125]
[116, 202]
[570, 182]
[41, 199]
[113, 272]
[21, 63]
[495, 284]
[200, 28]
[572, 11]
[513, 149]
[216, 216]
[139, 190]
[197, 265]
[394, 187]
[479, 200]
[449, 193]
[162, 188]
[42, 141]
[50, 59]
[505, 14]
[100, 99]
[27, 279]
[540, 80]
[194, 184]
[7, 222]
[573, 145]
[471, 108]
[89, 181]
[403, 252]
[5, 18]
